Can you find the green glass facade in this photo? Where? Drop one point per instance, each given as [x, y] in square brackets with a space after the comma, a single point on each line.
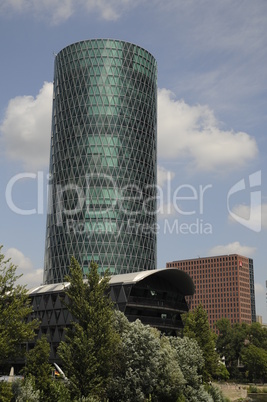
[102, 195]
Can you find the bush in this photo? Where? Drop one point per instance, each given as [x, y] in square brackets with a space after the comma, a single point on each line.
[59, 391]
[5, 391]
[252, 389]
[24, 391]
[216, 394]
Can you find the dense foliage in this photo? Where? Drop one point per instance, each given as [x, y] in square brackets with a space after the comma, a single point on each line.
[243, 345]
[37, 366]
[197, 327]
[157, 368]
[148, 365]
[14, 309]
[108, 358]
[90, 345]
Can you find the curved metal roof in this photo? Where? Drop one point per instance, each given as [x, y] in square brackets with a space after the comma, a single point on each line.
[177, 278]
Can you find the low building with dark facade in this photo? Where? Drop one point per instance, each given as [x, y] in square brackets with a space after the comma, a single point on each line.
[156, 297]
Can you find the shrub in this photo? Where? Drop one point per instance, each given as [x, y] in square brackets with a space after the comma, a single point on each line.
[25, 391]
[5, 391]
[252, 389]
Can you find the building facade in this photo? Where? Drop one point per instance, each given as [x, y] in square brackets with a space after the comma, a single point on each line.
[224, 286]
[252, 290]
[102, 189]
[156, 297]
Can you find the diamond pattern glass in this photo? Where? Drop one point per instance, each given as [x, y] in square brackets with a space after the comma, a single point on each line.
[102, 195]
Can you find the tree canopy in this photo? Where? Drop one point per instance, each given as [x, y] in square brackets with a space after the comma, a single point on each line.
[243, 343]
[91, 342]
[197, 327]
[14, 310]
[155, 366]
[37, 366]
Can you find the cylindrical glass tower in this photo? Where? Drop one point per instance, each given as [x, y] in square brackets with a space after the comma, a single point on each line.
[102, 198]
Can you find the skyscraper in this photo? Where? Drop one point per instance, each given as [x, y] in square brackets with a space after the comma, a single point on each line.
[102, 196]
[224, 286]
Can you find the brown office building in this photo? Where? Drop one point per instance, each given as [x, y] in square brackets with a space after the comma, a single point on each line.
[224, 285]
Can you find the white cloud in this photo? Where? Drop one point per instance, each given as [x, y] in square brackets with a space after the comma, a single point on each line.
[26, 128]
[187, 132]
[58, 11]
[232, 248]
[55, 11]
[253, 214]
[31, 276]
[164, 176]
[108, 9]
[193, 134]
[259, 289]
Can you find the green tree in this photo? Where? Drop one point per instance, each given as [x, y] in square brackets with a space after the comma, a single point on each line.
[255, 360]
[257, 335]
[148, 366]
[239, 340]
[171, 381]
[230, 343]
[90, 344]
[191, 361]
[217, 394]
[197, 327]
[6, 393]
[135, 377]
[14, 309]
[224, 341]
[25, 391]
[38, 367]
[222, 372]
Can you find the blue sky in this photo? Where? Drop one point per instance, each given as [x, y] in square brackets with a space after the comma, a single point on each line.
[212, 103]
